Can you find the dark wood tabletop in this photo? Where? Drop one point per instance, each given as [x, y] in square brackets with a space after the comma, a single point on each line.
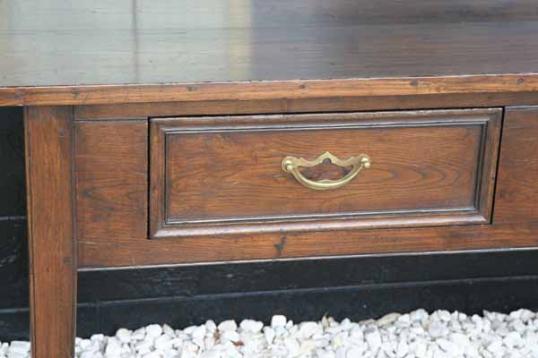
[53, 52]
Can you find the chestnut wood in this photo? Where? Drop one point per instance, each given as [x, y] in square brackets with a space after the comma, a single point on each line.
[130, 51]
[266, 90]
[125, 253]
[128, 252]
[517, 192]
[52, 243]
[217, 175]
[301, 105]
[111, 179]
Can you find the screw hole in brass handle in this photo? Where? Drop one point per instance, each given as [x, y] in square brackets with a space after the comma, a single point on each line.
[292, 164]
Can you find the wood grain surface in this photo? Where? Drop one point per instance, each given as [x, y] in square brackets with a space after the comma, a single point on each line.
[111, 179]
[52, 243]
[517, 189]
[128, 51]
[303, 105]
[107, 252]
[223, 174]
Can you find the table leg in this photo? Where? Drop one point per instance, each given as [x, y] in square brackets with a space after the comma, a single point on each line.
[52, 244]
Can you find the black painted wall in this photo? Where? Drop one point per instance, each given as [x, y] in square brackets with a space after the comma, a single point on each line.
[349, 287]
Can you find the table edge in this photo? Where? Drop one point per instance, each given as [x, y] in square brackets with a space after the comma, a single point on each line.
[263, 90]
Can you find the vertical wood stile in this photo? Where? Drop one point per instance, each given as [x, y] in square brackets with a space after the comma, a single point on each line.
[52, 244]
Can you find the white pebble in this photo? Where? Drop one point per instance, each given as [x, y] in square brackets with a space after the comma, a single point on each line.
[163, 342]
[97, 337]
[169, 331]
[210, 326]
[269, 334]
[152, 355]
[139, 334]
[229, 325]
[249, 325]
[309, 329]
[278, 321]
[373, 338]
[231, 336]
[124, 335]
[199, 332]
[154, 330]
[388, 319]
[19, 347]
[113, 348]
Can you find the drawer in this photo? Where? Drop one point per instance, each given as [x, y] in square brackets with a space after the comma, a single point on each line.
[309, 172]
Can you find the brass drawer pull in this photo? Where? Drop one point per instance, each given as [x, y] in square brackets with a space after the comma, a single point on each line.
[292, 164]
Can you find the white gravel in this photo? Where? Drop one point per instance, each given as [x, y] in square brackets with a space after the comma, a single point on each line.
[412, 335]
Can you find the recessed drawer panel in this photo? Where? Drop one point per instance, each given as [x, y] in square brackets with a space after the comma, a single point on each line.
[267, 173]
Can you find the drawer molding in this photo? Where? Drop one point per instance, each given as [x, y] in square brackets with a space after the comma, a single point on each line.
[164, 131]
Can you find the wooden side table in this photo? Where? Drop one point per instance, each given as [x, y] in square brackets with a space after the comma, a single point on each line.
[168, 135]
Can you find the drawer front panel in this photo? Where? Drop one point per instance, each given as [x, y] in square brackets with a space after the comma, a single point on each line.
[222, 175]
